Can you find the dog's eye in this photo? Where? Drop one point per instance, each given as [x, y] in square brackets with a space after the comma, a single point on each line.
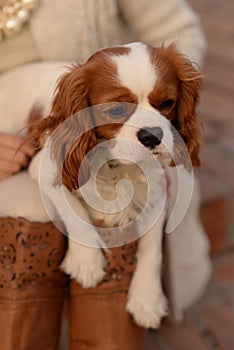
[167, 104]
[117, 111]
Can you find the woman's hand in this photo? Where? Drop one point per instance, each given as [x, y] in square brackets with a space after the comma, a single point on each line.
[13, 160]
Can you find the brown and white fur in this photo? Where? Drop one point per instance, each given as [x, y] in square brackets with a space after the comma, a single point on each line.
[159, 80]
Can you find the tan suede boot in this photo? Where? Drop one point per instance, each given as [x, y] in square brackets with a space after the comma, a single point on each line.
[31, 284]
[98, 320]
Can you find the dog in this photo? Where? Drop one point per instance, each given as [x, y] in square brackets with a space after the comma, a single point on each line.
[118, 116]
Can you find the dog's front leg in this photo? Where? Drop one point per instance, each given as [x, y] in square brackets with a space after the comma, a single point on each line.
[84, 264]
[84, 260]
[146, 301]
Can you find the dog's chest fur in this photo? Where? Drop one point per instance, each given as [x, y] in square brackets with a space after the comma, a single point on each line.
[121, 194]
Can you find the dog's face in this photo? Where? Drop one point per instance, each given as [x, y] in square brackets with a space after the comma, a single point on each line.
[139, 93]
[138, 101]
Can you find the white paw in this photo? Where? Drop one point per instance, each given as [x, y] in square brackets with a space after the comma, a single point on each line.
[86, 266]
[147, 309]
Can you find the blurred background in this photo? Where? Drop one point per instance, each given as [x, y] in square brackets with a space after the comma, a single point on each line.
[217, 115]
[209, 325]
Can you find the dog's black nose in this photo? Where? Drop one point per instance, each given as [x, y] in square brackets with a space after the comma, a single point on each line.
[150, 137]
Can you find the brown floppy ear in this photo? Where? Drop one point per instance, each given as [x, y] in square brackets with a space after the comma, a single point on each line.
[76, 136]
[71, 142]
[187, 122]
[71, 123]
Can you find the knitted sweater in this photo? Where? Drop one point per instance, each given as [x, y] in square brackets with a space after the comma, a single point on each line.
[73, 29]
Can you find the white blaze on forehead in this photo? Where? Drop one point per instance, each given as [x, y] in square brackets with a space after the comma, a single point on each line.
[135, 70]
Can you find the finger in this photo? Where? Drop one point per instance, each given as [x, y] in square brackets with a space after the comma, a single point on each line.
[15, 142]
[12, 141]
[21, 158]
[28, 149]
[10, 155]
[9, 167]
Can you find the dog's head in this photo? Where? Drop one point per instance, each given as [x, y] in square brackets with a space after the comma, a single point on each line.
[139, 93]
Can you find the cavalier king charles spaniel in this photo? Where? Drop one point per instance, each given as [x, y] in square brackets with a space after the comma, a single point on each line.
[118, 117]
